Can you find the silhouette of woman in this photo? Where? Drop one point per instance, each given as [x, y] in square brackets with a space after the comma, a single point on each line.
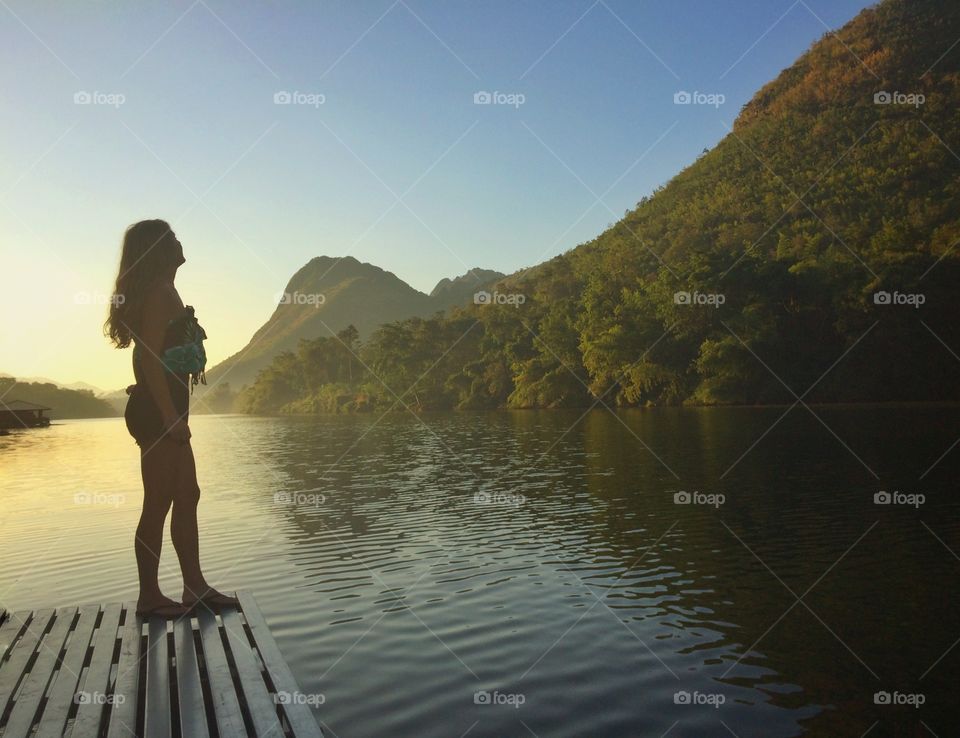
[168, 360]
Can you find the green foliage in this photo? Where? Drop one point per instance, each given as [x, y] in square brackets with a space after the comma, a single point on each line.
[64, 403]
[817, 199]
[220, 398]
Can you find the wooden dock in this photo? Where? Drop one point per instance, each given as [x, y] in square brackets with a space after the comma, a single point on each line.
[99, 670]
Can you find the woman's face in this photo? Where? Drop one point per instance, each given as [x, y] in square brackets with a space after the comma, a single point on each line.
[177, 254]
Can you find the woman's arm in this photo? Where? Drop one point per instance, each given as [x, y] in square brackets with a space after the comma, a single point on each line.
[161, 306]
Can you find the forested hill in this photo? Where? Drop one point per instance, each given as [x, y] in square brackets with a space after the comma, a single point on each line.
[813, 252]
[64, 403]
[328, 294]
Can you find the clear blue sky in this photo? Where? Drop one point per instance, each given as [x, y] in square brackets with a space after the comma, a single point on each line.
[495, 186]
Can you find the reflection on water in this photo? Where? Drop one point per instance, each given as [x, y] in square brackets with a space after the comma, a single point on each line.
[503, 574]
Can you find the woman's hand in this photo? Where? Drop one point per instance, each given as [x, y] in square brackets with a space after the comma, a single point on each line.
[178, 431]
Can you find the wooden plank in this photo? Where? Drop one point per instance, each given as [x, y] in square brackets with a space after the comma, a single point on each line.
[225, 703]
[9, 632]
[36, 641]
[298, 715]
[156, 719]
[193, 716]
[28, 700]
[123, 716]
[19, 656]
[92, 697]
[66, 683]
[263, 709]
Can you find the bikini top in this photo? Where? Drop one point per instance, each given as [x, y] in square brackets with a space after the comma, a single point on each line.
[183, 351]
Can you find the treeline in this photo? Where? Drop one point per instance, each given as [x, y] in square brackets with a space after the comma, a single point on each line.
[775, 337]
[813, 253]
[65, 403]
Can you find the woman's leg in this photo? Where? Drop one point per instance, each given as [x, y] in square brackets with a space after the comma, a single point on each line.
[183, 523]
[185, 533]
[157, 464]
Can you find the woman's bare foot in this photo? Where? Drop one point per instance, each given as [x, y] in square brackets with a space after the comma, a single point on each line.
[209, 597]
[156, 605]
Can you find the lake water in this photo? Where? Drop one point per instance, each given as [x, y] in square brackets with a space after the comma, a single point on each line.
[410, 567]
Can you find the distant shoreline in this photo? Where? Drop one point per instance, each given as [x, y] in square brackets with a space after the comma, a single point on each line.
[647, 408]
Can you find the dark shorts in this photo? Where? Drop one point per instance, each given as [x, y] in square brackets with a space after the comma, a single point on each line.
[143, 419]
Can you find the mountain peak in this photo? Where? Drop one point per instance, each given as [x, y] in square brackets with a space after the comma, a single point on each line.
[471, 281]
[325, 272]
[353, 293]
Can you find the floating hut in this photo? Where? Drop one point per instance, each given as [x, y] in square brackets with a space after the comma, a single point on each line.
[22, 414]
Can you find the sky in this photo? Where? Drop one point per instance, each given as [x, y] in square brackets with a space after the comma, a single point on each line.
[269, 133]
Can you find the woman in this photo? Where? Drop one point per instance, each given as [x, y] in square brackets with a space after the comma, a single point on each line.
[168, 359]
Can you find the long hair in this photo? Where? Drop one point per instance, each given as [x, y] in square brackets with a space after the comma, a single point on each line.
[147, 255]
